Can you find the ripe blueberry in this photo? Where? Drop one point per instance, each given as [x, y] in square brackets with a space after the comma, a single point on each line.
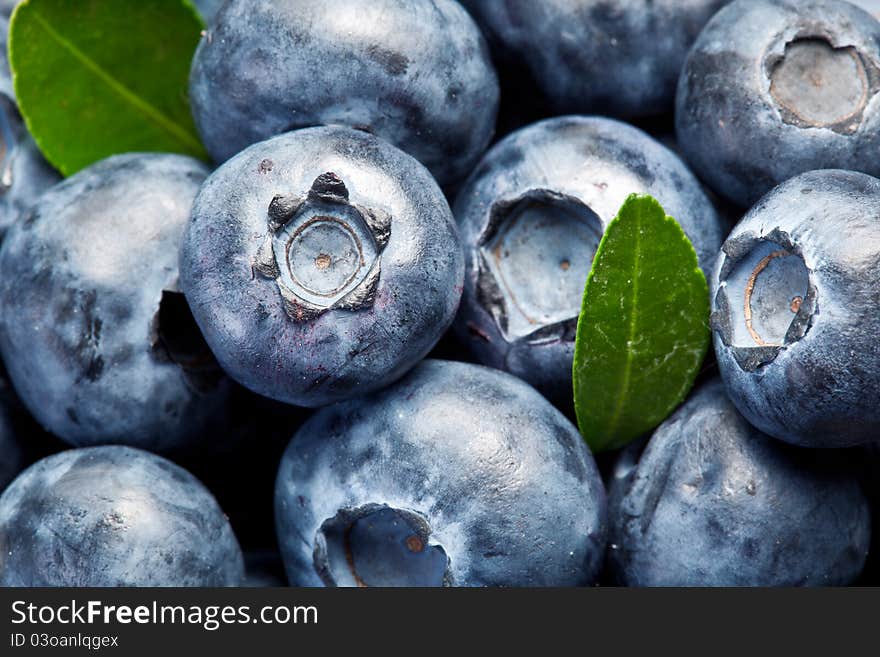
[531, 217]
[99, 343]
[795, 313]
[713, 502]
[619, 58]
[414, 72]
[773, 89]
[457, 475]
[321, 264]
[113, 516]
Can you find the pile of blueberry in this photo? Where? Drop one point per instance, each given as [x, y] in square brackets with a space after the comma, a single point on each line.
[164, 327]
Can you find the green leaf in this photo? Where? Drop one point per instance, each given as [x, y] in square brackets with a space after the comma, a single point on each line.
[98, 77]
[643, 329]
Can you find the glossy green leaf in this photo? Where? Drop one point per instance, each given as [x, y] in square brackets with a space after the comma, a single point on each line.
[643, 329]
[99, 77]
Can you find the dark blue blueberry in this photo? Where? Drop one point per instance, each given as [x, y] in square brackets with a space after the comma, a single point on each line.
[713, 502]
[414, 72]
[99, 344]
[321, 264]
[773, 89]
[795, 311]
[457, 475]
[531, 217]
[113, 516]
[620, 58]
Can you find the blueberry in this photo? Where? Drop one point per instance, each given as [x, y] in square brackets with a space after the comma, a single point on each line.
[321, 264]
[457, 475]
[618, 58]
[795, 311]
[414, 72]
[24, 173]
[113, 516]
[713, 502]
[531, 217]
[99, 343]
[773, 89]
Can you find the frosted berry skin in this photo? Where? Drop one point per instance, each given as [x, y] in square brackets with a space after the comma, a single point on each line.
[416, 73]
[321, 264]
[114, 516]
[97, 339]
[531, 217]
[772, 89]
[457, 475]
[714, 502]
[794, 311]
[618, 58]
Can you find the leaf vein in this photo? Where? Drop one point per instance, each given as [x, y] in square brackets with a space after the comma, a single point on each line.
[152, 113]
[623, 389]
